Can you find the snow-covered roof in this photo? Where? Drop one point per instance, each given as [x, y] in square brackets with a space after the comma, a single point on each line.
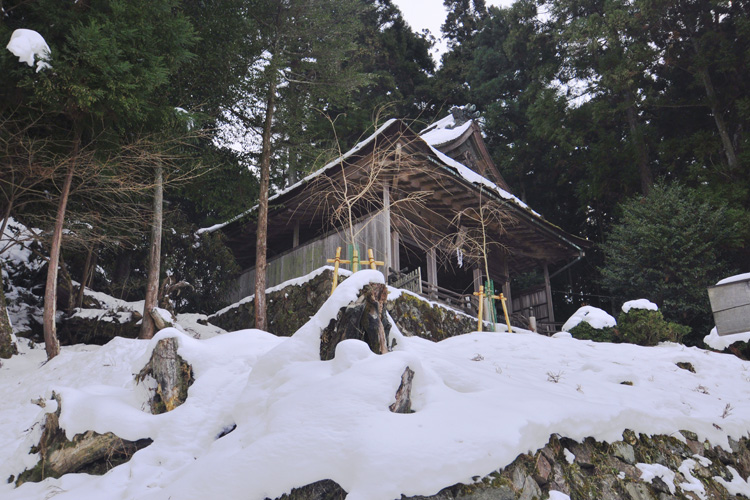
[444, 131]
[305, 179]
[429, 136]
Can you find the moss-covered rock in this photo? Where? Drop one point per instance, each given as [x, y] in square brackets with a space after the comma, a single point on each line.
[287, 309]
[590, 470]
[98, 326]
[418, 317]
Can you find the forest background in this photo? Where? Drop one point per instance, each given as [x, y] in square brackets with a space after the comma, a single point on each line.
[624, 122]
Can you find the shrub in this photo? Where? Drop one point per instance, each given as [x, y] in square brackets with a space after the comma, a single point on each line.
[585, 331]
[648, 328]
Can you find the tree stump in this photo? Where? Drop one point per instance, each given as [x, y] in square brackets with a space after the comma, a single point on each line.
[173, 376]
[364, 319]
[90, 452]
[403, 394]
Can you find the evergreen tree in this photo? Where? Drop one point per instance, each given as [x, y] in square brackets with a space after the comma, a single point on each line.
[305, 64]
[109, 61]
[463, 22]
[669, 246]
[398, 64]
[605, 45]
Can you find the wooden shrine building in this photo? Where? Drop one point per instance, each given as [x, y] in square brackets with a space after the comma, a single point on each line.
[432, 206]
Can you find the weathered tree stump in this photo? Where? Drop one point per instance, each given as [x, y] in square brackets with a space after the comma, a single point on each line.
[89, 452]
[403, 394]
[364, 319]
[173, 376]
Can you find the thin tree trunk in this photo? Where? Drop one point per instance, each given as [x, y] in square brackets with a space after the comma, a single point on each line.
[51, 344]
[261, 242]
[67, 282]
[713, 102]
[721, 126]
[6, 217]
[7, 347]
[122, 271]
[647, 179]
[85, 277]
[154, 261]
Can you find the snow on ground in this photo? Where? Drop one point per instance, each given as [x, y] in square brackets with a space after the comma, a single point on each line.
[721, 342]
[591, 315]
[480, 400]
[639, 304]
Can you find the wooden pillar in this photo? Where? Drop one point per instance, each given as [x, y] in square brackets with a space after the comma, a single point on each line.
[506, 285]
[395, 256]
[477, 279]
[432, 272]
[548, 290]
[386, 234]
[295, 236]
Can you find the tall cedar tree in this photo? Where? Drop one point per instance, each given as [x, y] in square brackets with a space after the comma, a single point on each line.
[606, 47]
[308, 46]
[398, 64]
[463, 22]
[110, 60]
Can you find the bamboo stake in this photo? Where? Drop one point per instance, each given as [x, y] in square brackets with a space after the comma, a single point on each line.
[336, 263]
[371, 259]
[502, 299]
[480, 294]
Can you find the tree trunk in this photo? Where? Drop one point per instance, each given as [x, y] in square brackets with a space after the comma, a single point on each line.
[721, 126]
[154, 259]
[51, 344]
[122, 271]
[713, 102]
[87, 266]
[66, 285]
[261, 242]
[647, 179]
[6, 217]
[7, 347]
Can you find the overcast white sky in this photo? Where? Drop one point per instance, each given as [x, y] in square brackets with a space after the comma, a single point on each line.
[430, 14]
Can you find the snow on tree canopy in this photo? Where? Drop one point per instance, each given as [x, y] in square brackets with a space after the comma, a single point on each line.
[591, 315]
[28, 45]
[639, 304]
